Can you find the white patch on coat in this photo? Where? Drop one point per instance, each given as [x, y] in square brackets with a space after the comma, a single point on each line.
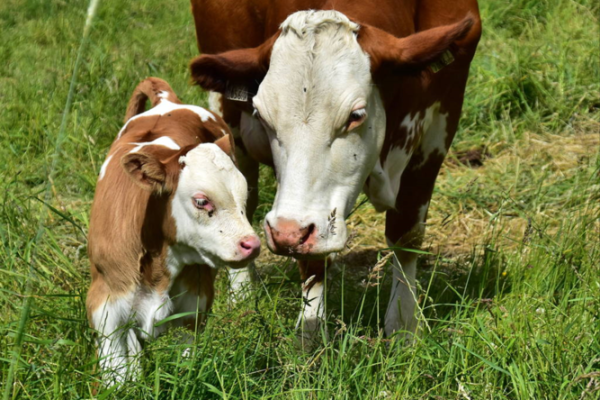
[103, 168]
[215, 103]
[317, 75]
[117, 343]
[164, 107]
[161, 141]
[210, 239]
[435, 133]
[384, 182]
[151, 308]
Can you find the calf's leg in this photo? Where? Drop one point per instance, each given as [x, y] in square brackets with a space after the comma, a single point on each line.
[118, 345]
[193, 291]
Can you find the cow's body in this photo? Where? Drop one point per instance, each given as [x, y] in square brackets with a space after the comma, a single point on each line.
[422, 111]
[145, 264]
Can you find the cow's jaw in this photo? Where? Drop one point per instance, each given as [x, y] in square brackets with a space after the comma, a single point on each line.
[318, 75]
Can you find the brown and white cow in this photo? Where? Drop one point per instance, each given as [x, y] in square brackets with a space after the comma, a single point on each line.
[168, 210]
[347, 96]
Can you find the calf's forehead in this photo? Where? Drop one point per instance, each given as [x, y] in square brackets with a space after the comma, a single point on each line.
[208, 168]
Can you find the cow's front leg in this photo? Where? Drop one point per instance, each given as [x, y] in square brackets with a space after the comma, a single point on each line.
[400, 314]
[404, 231]
[312, 314]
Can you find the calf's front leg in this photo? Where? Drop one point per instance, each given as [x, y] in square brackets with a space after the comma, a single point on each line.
[118, 345]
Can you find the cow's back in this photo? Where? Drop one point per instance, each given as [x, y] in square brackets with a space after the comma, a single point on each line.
[223, 25]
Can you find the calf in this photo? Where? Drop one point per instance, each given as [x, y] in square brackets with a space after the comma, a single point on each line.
[169, 209]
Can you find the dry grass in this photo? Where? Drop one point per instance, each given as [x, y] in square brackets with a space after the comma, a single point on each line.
[460, 220]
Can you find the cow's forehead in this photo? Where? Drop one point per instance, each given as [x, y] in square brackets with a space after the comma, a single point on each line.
[317, 37]
[316, 66]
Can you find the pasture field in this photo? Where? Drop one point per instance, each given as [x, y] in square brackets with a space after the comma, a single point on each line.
[509, 286]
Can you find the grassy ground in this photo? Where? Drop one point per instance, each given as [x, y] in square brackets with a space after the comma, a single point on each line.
[509, 289]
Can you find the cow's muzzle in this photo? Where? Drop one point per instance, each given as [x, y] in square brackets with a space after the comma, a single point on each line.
[289, 238]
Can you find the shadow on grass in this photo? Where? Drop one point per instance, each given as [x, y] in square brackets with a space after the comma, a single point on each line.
[358, 295]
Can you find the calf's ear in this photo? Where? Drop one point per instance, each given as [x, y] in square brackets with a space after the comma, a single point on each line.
[145, 170]
[241, 69]
[227, 144]
[414, 51]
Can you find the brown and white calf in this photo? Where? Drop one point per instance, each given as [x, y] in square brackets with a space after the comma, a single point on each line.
[169, 210]
[348, 96]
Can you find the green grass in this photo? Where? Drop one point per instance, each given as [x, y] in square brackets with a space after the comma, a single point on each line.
[512, 305]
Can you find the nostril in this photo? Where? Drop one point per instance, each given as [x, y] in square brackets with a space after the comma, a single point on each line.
[308, 234]
[250, 245]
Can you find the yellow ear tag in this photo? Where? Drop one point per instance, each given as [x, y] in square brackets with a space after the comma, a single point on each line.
[236, 93]
[445, 59]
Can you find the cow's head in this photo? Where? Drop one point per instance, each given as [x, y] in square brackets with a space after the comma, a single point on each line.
[322, 113]
[207, 196]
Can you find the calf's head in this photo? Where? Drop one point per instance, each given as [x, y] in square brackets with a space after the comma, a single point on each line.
[322, 113]
[207, 198]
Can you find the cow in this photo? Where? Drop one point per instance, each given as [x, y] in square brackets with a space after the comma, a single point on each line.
[168, 211]
[338, 97]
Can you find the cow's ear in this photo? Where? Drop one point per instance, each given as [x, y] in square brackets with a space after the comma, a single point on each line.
[145, 170]
[235, 69]
[414, 51]
[227, 144]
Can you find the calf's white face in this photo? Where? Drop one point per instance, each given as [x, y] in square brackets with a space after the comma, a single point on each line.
[326, 125]
[209, 208]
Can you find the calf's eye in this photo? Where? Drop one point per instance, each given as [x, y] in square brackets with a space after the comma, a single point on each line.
[201, 203]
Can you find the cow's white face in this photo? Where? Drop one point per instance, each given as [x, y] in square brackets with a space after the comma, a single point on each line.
[326, 125]
[209, 208]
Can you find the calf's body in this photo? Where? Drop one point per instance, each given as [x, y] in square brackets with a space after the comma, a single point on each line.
[169, 209]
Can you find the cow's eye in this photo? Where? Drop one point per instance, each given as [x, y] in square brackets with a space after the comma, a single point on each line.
[356, 118]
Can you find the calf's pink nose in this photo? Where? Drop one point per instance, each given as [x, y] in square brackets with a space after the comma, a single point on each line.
[250, 246]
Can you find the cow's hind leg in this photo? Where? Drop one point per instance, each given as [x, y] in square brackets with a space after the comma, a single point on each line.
[405, 225]
[118, 345]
